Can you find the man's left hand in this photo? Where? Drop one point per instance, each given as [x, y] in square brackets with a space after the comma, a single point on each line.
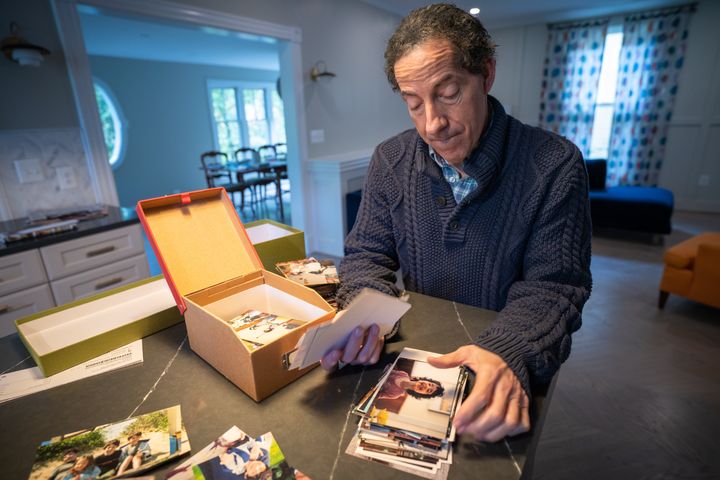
[497, 405]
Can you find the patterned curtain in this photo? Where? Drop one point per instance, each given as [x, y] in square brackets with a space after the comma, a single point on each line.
[650, 62]
[570, 79]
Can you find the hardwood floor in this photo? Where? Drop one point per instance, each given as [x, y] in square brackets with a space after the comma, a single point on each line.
[639, 396]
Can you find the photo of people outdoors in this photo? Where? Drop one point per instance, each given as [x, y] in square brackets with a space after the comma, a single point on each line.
[416, 393]
[247, 459]
[310, 271]
[117, 450]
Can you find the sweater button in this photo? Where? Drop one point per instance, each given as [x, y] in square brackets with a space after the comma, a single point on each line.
[441, 201]
[454, 225]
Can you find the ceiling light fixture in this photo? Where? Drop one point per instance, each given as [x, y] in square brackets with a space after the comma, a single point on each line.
[20, 50]
[474, 11]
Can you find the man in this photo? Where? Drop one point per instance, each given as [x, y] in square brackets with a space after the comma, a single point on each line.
[69, 457]
[475, 207]
[110, 458]
[134, 454]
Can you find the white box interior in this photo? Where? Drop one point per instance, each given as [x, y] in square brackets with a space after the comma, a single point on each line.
[68, 327]
[264, 298]
[266, 232]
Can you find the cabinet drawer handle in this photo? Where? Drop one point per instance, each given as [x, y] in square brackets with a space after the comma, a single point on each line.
[107, 283]
[4, 308]
[100, 251]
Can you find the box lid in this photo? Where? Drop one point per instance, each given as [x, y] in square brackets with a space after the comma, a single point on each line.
[198, 239]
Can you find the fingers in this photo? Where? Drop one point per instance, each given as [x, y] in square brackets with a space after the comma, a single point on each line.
[330, 359]
[507, 413]
[473, 405]
[370, 345]
[363, 347]
[353, 345]
[452, 359]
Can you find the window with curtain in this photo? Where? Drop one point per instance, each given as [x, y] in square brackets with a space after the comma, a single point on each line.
[569, 89]
[245, 115]
[611, 90]
[651, 59]
[605, 101]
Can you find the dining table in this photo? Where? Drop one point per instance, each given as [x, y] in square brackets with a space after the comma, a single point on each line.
[311, 418]
[269, 168]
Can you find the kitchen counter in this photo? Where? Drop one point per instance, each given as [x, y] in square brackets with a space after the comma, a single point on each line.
[116, 217]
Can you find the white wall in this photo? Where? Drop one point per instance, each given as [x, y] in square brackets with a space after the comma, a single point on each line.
[693, 148]
[357, 109]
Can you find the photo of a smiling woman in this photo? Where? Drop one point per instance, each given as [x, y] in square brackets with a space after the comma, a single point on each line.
[399, 384]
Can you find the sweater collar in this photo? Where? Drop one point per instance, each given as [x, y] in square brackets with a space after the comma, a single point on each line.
[485, 162]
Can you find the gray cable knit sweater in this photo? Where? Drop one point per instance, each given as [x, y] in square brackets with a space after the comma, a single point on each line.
[519, 244]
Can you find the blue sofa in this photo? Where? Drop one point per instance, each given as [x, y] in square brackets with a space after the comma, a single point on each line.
[638, 209]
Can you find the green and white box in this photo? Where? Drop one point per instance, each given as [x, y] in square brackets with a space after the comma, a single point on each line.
[65, 336]
[275, 242]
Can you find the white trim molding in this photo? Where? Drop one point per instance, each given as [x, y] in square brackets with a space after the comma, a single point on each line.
[331, 179]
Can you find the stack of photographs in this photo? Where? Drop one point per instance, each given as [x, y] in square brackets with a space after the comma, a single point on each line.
[406, 419]
[257, 328]
[129, 448]
[320, 275]
[238, 456]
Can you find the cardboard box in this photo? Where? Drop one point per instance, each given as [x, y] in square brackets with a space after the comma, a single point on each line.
[79, 331]
[275, 242]
[215, 274]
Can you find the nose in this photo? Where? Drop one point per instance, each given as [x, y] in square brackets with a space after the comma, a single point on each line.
[435, 120]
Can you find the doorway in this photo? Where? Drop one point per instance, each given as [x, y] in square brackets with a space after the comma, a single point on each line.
[162, 160]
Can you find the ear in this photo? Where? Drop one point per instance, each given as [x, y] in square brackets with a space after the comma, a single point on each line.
[490, 77]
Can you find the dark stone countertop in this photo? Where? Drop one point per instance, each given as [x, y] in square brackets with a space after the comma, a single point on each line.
[310, 417]
[117, 217]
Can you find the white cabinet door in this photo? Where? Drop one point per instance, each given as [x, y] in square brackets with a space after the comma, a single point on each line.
[21, 304]
[85, 253]
[100, 279]
[21, 270]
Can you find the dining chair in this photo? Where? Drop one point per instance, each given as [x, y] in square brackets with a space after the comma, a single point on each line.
[255, 175]
[214, 164]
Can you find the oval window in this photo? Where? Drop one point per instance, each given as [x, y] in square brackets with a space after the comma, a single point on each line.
[112, 124]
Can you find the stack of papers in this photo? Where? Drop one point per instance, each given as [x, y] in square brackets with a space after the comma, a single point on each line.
[320, 275]
[236, 455]
[406, 419]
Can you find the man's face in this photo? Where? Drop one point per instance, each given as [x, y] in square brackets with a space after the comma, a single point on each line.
[134, 440]
[447, 104]
[109, 448]
[424, 387]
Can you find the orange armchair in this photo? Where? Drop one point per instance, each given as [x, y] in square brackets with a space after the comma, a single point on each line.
[692, 270]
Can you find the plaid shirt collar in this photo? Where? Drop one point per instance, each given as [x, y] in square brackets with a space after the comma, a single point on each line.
[460, 186]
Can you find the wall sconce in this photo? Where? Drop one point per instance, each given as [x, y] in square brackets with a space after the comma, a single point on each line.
[320, 70]
[20, 50]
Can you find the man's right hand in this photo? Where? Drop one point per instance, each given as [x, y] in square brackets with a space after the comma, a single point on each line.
[363, 347]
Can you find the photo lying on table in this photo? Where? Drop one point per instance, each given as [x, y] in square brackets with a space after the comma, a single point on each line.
[122, 449]
[309, 271]
[416, 396]
[248, 459]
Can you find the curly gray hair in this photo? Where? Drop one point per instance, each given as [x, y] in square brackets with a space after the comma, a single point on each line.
[471, 42]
